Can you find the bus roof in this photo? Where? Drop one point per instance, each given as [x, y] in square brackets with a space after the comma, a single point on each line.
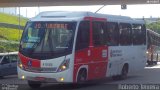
[77, 16]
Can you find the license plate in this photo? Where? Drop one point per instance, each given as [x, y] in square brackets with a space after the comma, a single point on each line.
[40, 78]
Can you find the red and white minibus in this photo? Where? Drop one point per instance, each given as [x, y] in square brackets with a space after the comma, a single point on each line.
[79, 46]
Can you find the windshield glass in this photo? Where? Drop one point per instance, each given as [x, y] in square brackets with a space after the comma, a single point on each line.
[43, 40]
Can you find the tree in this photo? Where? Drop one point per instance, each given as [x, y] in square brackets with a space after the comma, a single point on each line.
[155, 26]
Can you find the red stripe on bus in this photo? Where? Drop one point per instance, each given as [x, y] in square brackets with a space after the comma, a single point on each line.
[25, 60]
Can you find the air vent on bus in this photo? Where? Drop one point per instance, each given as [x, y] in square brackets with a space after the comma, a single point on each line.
[53, 16]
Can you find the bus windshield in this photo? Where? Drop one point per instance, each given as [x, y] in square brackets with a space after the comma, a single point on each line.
[44, 40]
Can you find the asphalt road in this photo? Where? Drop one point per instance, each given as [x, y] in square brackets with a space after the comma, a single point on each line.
[149, 76]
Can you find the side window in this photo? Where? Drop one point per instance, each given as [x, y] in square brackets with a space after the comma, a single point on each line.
[98, 33]
[82, 40]
[13, 58]
[112, 34]
[5, 60]
[138, 34]
[125, 34]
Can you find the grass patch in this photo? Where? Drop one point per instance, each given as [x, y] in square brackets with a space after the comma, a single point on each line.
[8, 47]
[10, 34]
[12, 19]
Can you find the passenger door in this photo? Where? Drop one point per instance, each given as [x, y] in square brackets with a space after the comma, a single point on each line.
[98, 63]
[82, 51]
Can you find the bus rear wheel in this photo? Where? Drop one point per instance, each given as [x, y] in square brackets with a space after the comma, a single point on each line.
[34, 84]
[124, 72]
[123, 75]
[82, 76]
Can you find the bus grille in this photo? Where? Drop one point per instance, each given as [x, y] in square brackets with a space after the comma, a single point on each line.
[41, 70]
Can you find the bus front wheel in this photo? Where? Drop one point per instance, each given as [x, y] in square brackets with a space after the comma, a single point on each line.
[34, 84]
[82, 76]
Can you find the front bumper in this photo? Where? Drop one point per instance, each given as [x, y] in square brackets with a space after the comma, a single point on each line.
[46, 77]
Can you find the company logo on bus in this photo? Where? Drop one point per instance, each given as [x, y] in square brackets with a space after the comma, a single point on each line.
[29, 63]
[115, 53]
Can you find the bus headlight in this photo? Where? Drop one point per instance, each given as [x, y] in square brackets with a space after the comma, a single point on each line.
[64, 65]
[19, 63]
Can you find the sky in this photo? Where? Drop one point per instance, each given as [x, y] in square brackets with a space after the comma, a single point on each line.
[134, 11]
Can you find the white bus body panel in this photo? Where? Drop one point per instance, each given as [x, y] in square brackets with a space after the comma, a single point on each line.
[134, 56]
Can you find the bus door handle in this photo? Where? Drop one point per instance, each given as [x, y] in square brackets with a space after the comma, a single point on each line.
[89, 52]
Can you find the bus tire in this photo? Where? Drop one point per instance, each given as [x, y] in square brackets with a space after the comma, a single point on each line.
[124, 72]
[34, 84]
[82, 76]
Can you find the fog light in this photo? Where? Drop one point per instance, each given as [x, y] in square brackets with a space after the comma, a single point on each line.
[61, 79]
[147, 52]
[23, 77]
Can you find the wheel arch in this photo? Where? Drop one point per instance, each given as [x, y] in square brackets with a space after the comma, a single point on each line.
[126, 64]
[83, 67]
